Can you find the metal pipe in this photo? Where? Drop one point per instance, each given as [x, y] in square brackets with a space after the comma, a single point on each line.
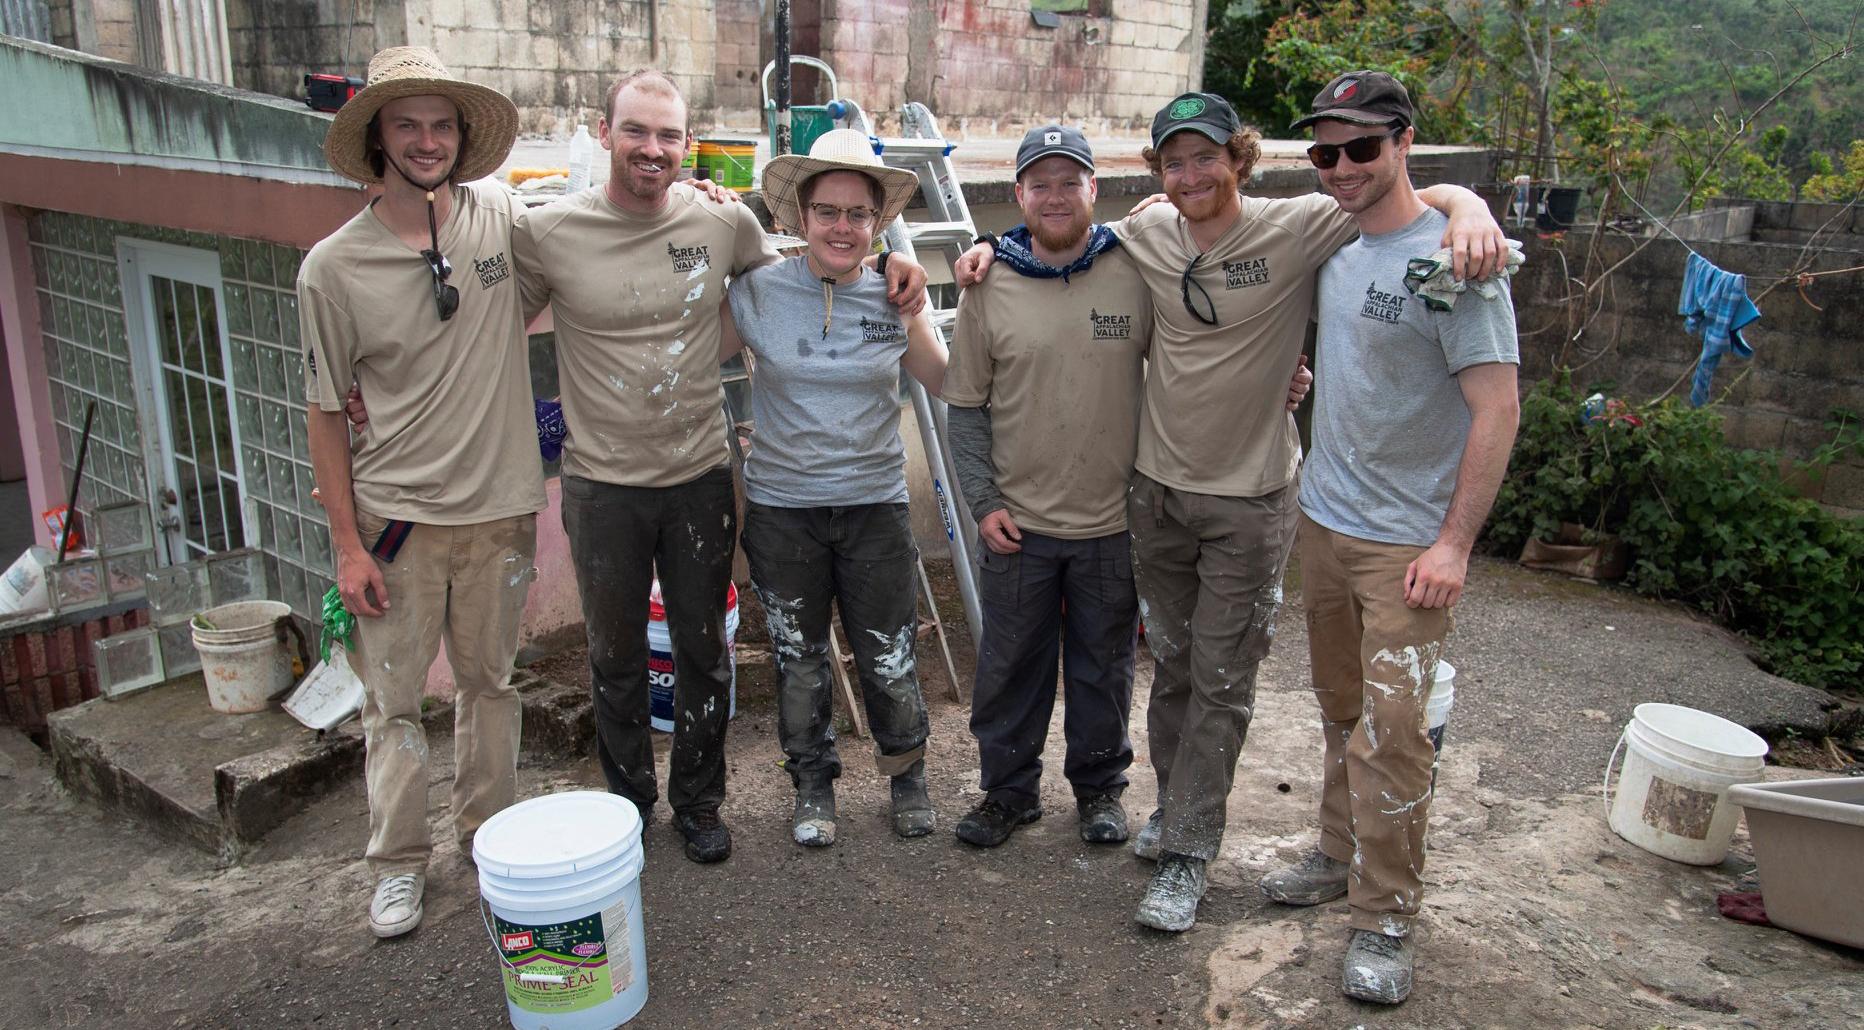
[781, 144]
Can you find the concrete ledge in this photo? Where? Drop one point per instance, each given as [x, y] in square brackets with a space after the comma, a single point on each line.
[219, 782]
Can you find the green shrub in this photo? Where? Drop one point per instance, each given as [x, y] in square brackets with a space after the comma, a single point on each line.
[1708, 524]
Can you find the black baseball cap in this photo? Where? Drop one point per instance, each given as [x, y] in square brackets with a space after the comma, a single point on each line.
[1207, 113]
[1050, 140]
[1367, 98]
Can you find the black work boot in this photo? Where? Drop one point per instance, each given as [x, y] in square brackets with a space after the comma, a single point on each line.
[1103, 819]
[992, 822]
[707, 839]
[912, 809]
[813, 825]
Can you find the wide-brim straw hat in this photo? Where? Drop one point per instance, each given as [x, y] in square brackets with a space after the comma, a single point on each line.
[413, 71]
[837, 150]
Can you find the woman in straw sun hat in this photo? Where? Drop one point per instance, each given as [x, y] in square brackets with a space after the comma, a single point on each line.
[413, 301]
[825, 483]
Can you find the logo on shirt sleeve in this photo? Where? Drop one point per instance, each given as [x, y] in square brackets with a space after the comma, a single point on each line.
[1110, 327]
[686, 259]
[1380, 306]
[873, 331]
[492, 270]
[1239, 275]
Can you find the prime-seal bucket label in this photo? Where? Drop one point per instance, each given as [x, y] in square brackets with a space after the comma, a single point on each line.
[566, 967]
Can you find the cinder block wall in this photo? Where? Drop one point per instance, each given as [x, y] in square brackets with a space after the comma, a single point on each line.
[554, 60]
[1805, 360]
[984, 66]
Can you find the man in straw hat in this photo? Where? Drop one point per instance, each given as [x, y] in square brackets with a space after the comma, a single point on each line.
[1415, 415]
[825, 485]
[1212, 506]
[433, 517]
[634, 273]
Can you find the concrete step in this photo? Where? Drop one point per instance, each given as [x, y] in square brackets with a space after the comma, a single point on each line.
[220, 782]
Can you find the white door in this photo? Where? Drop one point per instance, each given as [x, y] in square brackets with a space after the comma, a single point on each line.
[178, 341]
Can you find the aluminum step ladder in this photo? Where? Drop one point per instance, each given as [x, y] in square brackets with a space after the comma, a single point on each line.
[944, 233]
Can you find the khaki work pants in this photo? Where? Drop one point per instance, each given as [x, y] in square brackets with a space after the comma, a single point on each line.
[1373, 661]
[1208, 571]
[468, 584]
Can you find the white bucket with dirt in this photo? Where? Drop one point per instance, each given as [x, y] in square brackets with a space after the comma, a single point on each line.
[660, 658]
[1672, 797]
[22, 586]
[1442, 699]
[243, 659]
[561, 874]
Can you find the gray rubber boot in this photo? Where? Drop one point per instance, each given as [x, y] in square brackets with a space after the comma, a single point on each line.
[912, 809]
[1314, 880]
[813, 825]
[1377, 968]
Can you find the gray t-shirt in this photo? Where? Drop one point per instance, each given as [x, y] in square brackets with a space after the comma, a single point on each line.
[1389, 418]
[827, 405]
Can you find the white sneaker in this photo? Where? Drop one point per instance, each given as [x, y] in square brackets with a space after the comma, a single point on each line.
[397, 905]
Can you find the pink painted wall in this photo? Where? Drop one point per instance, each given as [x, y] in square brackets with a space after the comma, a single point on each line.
[25, 357]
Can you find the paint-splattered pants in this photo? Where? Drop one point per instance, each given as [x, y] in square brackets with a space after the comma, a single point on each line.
[1209, 574]
[468, 585]
[1066, 599]
[861, 558]
[1373, 661]
[619, 537]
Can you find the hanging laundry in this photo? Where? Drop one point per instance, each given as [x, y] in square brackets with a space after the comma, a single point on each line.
[1715, 304]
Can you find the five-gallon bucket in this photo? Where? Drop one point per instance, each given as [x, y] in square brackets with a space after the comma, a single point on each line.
[1437, 712]
[729, 162]
[561, 874]
[1672, 795]
[243, 659]
[660, 659]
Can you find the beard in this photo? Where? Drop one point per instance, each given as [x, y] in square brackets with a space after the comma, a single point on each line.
[1222, 192]
[1051, 238]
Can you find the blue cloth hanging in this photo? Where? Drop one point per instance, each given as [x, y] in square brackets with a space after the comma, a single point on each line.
[1716, 305]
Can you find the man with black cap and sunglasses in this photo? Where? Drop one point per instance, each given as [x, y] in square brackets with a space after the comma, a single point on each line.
[1415, 413]
[433, 516]
[1212, 504]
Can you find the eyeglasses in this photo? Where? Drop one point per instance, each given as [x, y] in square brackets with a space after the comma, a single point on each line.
[446, 298]
[826, 215]
[1185, 284]
[1358, 151]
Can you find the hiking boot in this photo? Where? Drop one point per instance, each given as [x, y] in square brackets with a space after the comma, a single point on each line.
[1314, 880]
[912, 809]
[991, 823]
[1146, 845]
[1378, 968]
[813, 824]
[396, 908]
[1171, 898]
[1103, 819]
[707, 839]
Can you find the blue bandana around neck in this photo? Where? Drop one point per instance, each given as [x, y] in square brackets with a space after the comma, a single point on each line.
[1013, 248]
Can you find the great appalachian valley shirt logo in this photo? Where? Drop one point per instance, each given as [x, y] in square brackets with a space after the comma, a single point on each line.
[1110, 327]
[492, 270]
[881, 332]
[685, 259]
[1381, 306]
[1248, 272]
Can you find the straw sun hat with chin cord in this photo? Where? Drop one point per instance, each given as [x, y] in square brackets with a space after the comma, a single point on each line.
[411, 71]
[838, 150]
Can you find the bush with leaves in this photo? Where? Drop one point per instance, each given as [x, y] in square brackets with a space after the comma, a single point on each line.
[1709, 525]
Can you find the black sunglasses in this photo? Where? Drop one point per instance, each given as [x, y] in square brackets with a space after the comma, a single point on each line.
[446, 298]
[1358, 151]
[1185, 283]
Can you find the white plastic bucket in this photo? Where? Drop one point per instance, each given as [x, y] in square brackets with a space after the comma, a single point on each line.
[1442, 699]
[561, 874]
[660, 659]
[242, 659]
[22, 586]
[1672, 797]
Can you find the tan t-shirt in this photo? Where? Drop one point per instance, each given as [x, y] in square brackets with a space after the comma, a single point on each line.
[452, 437]
[1216, 419]
[1061, 365]
[636, 304]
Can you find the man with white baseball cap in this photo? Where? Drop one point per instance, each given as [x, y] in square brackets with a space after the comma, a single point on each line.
[433, 516]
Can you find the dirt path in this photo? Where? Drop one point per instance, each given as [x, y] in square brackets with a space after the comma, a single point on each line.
[1537, 916]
